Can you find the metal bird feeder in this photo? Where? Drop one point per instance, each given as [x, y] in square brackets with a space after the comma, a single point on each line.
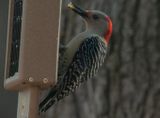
[32, 51]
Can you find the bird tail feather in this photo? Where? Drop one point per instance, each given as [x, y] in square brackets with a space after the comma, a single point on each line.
[48, 101]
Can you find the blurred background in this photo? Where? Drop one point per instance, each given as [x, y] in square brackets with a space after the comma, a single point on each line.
[128, 84]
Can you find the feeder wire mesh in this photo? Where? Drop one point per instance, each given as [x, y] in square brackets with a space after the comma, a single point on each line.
[16, 34]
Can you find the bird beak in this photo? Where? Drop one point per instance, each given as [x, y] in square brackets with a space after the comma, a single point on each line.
[78, 10]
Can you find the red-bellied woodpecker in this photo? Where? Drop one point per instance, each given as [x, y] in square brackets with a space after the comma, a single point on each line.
[83, 55]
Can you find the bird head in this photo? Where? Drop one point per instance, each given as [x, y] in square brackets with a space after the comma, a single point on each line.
[96, 21]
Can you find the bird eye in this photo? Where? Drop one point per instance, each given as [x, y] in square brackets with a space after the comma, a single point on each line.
[95, 17]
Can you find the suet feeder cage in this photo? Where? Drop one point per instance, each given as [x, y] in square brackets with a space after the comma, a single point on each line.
[32, 47]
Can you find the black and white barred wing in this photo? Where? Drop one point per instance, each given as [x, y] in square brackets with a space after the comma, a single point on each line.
[86, 62]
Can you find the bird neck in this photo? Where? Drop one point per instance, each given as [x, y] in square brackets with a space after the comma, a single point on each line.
[94, 31]
[99, 33]
[101, 30]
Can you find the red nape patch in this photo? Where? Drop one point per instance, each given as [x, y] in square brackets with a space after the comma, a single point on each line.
[109, 31]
